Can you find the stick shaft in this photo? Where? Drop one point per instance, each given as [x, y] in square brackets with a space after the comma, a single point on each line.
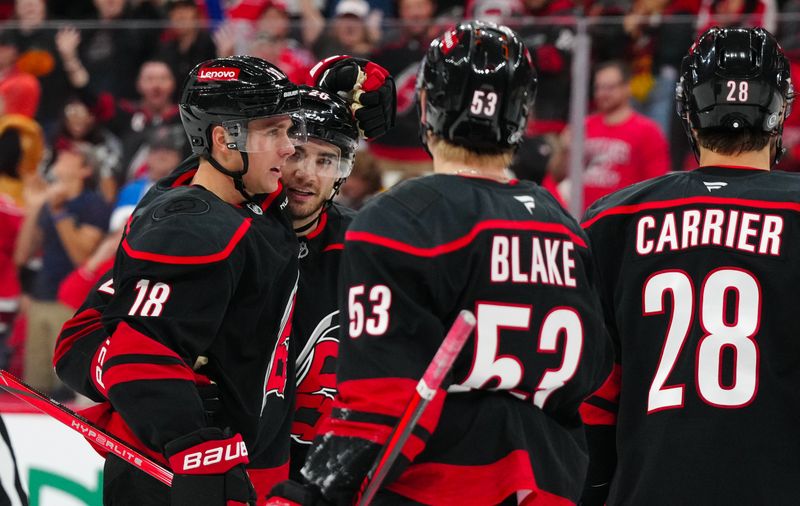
[426, 390]
[83, 427]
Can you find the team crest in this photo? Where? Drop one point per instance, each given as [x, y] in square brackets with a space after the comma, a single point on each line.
[316, 379]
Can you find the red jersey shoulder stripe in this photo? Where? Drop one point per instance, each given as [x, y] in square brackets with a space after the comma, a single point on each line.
[183, 178]
[333, 247]
[190, 259]
[664, 204]
[465, 240]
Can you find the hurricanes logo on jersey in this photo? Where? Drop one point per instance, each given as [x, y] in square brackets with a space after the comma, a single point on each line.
[276, 377]
[277, 372]
[316, 379]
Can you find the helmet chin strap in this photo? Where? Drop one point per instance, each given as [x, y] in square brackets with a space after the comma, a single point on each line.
[238, 182]
[309, 225]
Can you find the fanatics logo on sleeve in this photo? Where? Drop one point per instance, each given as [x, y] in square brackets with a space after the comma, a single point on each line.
[714, 185]
[527, 201]
[218, 74]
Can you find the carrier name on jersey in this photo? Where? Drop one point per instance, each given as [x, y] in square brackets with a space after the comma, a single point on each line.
[546, 261]
[744, 231]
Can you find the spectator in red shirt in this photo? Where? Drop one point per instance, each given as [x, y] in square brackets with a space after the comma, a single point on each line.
[293, 60]
[268, 37]
[622, 147]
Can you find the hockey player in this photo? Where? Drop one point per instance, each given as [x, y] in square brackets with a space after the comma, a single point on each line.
[311, 178]
[698, 277]
[507, 430]
[204, 284]
[329, 123]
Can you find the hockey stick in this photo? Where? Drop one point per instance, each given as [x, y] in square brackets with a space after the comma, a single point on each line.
[426, 390]
[84, 427]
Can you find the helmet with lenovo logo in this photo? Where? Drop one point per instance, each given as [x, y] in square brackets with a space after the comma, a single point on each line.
[232, 91]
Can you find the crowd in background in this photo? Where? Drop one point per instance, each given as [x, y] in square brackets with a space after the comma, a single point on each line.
[89, 117]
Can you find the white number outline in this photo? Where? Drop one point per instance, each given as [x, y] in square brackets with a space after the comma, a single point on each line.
[488, 365]
[355, 310]
[154, 303]
[659, 398]
[378, 321]
[377, 324]
[483, 103]
[744, 91]
[707, 364]
[708, 379]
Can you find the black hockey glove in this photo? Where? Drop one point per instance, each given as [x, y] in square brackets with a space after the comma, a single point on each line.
[292, 493]
[208, 468]
[367, 86]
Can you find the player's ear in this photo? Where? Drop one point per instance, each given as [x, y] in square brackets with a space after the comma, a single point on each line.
[221, 139]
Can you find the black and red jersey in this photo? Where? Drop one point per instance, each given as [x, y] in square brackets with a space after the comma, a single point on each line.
[698, 281]
[82, 335]
[315, 328]
[413, 258]
[203, 290]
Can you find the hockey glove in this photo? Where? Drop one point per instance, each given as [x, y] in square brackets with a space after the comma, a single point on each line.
[208, 468]
[292, 493]
[368, 88]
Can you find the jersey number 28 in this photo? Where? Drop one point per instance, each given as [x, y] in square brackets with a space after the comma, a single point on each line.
[734, 332]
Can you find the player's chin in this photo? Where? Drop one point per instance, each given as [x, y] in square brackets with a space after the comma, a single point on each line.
[273, 177]
[298, 209]
[268, 184]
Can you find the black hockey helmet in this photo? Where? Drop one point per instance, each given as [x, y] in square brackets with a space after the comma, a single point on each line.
[479, 84]
[734, 79]
[328, 118]
[230, 90]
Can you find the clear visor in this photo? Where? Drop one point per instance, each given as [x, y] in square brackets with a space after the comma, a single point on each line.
[266, 134]
[320, 158]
